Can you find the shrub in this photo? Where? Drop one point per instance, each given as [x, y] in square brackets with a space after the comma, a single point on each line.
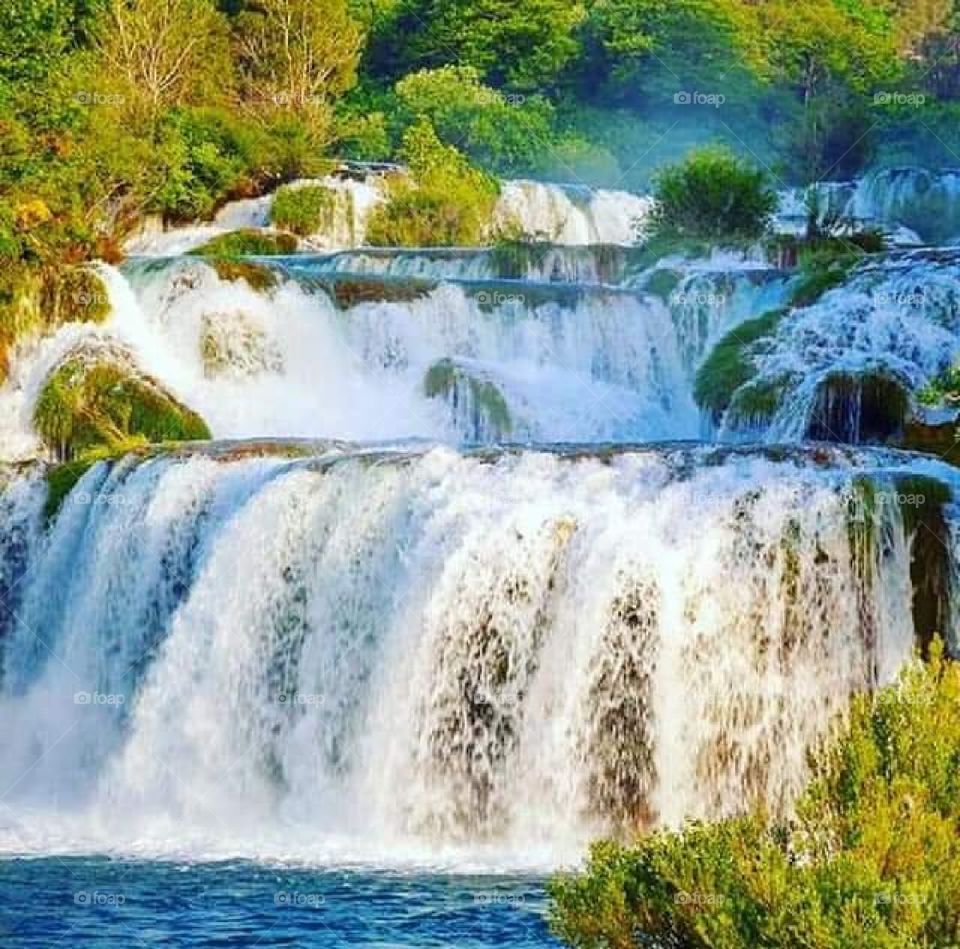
[448, 201]
[712, 194]
[98, 401]
[304, 210]
[871, 858]
[245, 243]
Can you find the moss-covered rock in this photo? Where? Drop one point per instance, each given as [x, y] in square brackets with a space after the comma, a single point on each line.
[257, 276]
[662, 283]
[34, 300]
[921, 500]
[63, 478]
[248, 242]
[939, 437]
[859, 407]
[305, 209]
[478, 405]
[75, 295]
[730, 366]
[352, 291]
[756, 403]
[101, 400]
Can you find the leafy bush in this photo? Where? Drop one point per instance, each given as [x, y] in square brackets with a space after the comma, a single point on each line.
[712, 195]
[247, 242]
[871, 858]
[448, 201]
[304, 210]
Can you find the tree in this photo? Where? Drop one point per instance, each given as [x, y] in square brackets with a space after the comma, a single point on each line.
[296, 56]
[165, 52]
[524, 46]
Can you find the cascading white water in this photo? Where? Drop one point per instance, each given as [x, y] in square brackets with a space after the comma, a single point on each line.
[549, 212]
[912, 205]
[899, 317]
[578, 366]
[433, 653]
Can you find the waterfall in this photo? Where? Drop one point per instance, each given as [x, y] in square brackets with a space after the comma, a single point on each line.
[435, 652]
[895, 321]
[561, 214]
[912, 205]
[569, 364]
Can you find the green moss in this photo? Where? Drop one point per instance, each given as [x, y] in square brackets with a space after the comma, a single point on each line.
[944, 389]
[662, 283]
[91, 402]
[827, 262]
[729, 366]
[351, 291]
[445, 379]
[304, 210]
[921, 500]
[258, 276]
[62, 479]
[74, 295]
[756, 402]
[246, 243]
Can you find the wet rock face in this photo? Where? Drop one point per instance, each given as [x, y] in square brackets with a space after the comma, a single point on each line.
[858, 408]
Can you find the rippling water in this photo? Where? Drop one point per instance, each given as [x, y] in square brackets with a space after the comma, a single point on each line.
[100, 902]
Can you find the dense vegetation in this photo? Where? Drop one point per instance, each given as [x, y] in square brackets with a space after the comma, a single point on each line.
[112, 109]
[871, 858]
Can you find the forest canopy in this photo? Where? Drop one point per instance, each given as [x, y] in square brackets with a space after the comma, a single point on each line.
[114, 109]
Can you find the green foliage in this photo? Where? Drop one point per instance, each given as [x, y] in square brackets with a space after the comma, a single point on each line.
[826, 262]
[712, 194]
[507, 133]
[304, 210]
[448, 201]
[872, 857]
[525, 47]
[729, 365]
[248, 242]
[943, 389]
[91, 402]
[63, 478]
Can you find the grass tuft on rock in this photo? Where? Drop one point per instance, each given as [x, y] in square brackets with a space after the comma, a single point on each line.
[257, 276]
